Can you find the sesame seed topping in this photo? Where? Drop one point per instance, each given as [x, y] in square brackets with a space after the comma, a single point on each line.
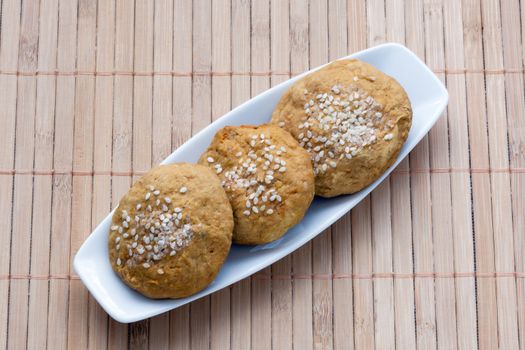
[160, 271]
[338, 124]
[119, 262]
[210, 160]
[388, 137]
[183, 189]
[162, 233]
[253, 173]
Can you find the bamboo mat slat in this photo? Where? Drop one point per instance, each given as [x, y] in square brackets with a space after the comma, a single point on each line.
[8, 60]
[95, 93]
[281, 294]
[302, 311]
[261, 288]
[220, 337]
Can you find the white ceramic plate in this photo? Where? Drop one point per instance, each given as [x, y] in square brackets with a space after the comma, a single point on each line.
[428, 97]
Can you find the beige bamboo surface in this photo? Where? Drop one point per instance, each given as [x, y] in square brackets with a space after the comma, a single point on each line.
[95, 93]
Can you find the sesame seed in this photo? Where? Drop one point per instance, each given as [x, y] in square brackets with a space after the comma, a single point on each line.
[332, 123]
[281, 124]
[245, 173]
[119, 262]
[388, 137]
[167, 200]
[146, 265]
[147, 196]
[269, 211]
[156, 192]
[160, 271]
[114, 227]
[138, 206]
[210, 160]
[183, 189]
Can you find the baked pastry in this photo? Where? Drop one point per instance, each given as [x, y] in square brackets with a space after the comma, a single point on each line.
[172, 231]
[267, 176]
[351, 118]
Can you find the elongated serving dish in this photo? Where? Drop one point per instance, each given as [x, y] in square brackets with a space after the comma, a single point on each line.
[428, 97]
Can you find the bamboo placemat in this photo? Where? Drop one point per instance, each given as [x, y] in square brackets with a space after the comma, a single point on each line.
[94, 94]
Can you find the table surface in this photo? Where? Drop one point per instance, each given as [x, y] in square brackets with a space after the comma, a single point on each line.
[94, 94]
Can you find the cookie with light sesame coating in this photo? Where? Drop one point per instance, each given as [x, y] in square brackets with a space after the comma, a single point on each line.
[171, 232]
[351, 118]
[267, 176]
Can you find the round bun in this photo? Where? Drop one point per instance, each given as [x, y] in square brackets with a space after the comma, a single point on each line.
[267, 176]
[351, 118]
[172, 231]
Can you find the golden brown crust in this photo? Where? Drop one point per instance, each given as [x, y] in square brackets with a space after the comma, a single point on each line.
[204, 206]
[294, 186]
[369, 160]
